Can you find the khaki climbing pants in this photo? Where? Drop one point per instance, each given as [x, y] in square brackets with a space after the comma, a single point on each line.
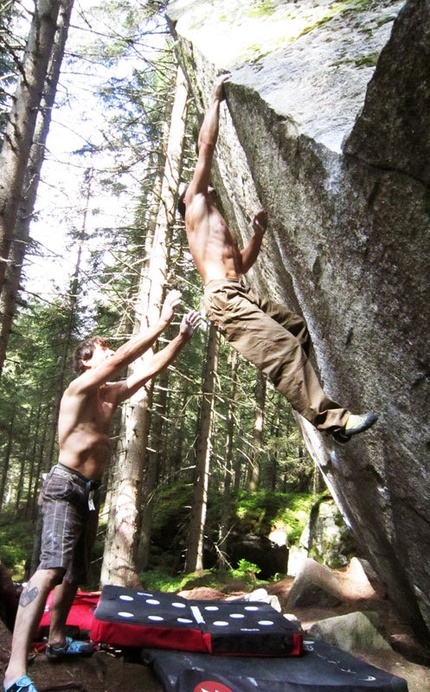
[276, 341]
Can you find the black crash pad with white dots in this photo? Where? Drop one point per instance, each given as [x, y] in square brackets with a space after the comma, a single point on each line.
[322, 668]
[132, 618]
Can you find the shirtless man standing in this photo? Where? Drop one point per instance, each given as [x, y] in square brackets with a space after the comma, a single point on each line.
[267, 334]
[70, 490]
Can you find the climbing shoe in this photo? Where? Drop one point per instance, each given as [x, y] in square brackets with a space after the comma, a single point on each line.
[24, 684]
[355, 424]
[71, 647]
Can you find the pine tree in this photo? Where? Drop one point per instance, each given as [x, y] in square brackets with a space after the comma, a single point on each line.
[27, 198]
[21, 124]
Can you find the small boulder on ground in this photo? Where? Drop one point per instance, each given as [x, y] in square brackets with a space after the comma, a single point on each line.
[353, 632]
[318, 585]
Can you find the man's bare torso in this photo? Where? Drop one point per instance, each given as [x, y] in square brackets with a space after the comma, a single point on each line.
[83, 429]
[212, 245]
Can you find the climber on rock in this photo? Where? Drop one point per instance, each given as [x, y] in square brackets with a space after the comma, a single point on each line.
[267, 334]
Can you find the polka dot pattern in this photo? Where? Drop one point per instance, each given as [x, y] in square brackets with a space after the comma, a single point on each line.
[217, 627]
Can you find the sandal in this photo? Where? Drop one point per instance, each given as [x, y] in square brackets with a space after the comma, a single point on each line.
[24, 684]
[71, 647]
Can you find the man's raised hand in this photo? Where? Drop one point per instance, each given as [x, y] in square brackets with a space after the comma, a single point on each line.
[218, 93]
[170, 304]
[189, 324]
[259, 222]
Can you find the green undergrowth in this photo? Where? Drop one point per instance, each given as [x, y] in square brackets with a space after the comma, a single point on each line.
[243, 578]
[256, 513]
[264, 511]
[16, 544]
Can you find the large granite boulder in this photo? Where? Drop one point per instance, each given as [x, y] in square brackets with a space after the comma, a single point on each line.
[327, 125]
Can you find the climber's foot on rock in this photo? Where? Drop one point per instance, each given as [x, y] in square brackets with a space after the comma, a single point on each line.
[356, 423]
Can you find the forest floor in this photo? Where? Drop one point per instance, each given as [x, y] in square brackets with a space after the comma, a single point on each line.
[104, 672]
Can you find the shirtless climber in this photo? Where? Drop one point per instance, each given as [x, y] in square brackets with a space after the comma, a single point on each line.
[267, 334]
[71, 489]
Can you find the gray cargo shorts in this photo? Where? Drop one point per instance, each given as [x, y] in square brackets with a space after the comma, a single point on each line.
[70, 507]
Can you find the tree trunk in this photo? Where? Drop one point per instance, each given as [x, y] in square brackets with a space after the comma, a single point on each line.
[225, 513]
[22, 464]
[40, 465]
[260, 402]
[21, 232]
[124, 481]
[194, 561]
[31, 471]
[152, 473]
[273, 467]
[121, 547]
[22, 120]
[6, 460]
